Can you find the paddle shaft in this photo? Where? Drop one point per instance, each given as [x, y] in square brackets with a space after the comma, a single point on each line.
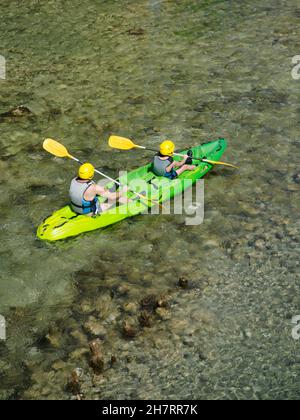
[175, 154]
[211, 162]
[59, 150]
[99, 173]
[116, 182]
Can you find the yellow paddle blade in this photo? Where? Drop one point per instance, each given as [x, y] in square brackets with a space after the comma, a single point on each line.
[55, 148]
[121, 143]
[213, 162]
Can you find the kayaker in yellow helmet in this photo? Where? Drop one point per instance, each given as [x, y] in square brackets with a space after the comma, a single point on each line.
[165, 165]
[84, 192]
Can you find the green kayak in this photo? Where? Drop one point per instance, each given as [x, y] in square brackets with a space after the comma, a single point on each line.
[65, 223]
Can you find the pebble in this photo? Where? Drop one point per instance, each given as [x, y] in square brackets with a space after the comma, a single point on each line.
[130, 307]
[113, 361]
[86, 307]
[78, 353]
[73, 385]
[146, 249]
[293, 187]
[123, 289]
[211, 243]
[188, 341]
[163, 313]
[183, 283]
[54, 338]
[19, 111]
[97, 360]
[95, 327]
[260, 244]
[163, 302]
[79, 336]
[179, 325]
[136, 32]
[149, 303]
[59, 365]
[111, 319]
[145, 319]
[129, 329]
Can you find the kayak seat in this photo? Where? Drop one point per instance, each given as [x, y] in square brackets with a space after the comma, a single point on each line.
[148, 177]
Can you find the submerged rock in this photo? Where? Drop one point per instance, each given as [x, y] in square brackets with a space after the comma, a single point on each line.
[149, 303]
[163, 302]
[296, 178]
[183, 283]
[260, 244]
[97, 360]
[136, 32]
[113, 361]
[130, 307]
[145, 319]
[86, 307]
[59, 365]
[54, 337]
[129, 329]
[211, 243]
[292, 187]
[95, 327]
[73, 386]
[123, 290]
[136, 100]
[19, 111]
[79, 336]
[163, 313]
[78, 354]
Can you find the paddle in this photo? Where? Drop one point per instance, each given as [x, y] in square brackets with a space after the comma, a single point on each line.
[59, 150]
[123, 143]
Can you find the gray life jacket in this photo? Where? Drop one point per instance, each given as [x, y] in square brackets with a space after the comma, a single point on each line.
[78, 203]
[159, 167]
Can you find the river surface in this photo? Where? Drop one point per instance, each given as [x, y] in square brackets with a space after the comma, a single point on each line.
[149, 70]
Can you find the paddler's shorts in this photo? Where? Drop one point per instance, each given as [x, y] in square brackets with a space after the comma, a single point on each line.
[172, 174]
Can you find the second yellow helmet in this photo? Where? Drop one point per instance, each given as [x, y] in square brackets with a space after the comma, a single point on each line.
[86, 171]
[167, 148]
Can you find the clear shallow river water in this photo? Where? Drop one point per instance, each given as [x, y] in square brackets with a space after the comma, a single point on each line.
[150, 70]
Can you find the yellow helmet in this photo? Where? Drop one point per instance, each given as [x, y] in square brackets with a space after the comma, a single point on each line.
[86, 171]
[167, 148]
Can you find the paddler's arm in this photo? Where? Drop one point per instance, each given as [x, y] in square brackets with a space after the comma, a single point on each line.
[107, 194]
[172, 166]
[176, 164]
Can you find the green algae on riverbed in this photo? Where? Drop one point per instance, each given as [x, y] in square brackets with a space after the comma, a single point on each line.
[149, 70]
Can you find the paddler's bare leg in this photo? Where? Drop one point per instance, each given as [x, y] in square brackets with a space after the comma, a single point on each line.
[185, 168]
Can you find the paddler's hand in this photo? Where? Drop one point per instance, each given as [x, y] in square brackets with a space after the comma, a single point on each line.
[182, 162]
[125, 189]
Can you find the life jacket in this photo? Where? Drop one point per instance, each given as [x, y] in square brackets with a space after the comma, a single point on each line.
[159, 166]
[78, 203]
